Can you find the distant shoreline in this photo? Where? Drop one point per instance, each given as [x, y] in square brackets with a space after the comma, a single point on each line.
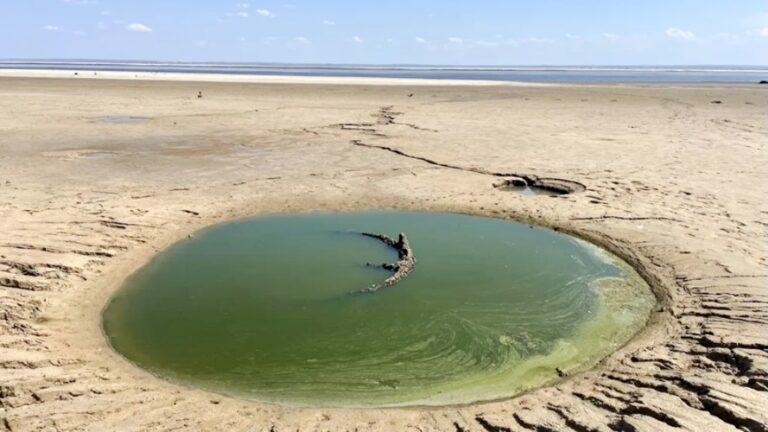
[255, 79]
[405, 67]
[526, 74]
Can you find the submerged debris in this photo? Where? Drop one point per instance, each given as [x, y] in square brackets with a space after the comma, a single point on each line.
[401, 268]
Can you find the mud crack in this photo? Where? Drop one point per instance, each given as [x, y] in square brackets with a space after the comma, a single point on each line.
[556, 184]
[385, 116]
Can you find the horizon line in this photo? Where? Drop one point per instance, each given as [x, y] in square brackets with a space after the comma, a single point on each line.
[9, 61]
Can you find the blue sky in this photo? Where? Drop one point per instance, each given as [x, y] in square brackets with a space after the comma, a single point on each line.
[490, 32]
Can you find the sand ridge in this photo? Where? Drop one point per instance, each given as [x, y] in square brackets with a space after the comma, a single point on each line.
[672, 182]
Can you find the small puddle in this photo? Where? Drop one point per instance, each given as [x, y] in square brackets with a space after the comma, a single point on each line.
[531, 190]
[123, 119]
[533, 186]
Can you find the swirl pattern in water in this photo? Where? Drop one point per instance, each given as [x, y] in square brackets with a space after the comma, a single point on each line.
[265, 309]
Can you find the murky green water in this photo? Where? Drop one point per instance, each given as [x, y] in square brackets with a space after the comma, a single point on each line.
[261, 309]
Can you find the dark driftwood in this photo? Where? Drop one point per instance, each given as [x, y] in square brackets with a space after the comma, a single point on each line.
[401, 268]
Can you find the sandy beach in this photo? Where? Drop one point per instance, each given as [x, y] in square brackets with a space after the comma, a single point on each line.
[673, 179]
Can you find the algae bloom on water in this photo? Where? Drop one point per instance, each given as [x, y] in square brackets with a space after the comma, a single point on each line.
[265, 309]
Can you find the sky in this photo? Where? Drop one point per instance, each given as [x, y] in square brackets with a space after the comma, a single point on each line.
[447, 32]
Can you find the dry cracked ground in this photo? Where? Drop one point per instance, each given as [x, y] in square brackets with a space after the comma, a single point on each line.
[673, 179]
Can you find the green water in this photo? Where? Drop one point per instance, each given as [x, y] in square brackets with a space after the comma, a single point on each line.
[262, 309]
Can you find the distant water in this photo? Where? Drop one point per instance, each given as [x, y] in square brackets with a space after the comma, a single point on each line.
[543, 74]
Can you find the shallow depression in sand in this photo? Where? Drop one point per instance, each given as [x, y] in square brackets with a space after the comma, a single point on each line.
[123, 119]
[531, 190]
[532, 186]
[269, 309]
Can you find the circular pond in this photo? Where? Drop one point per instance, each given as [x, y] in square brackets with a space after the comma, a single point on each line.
[271, 309]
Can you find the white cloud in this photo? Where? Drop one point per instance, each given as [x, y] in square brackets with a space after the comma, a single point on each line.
[78, 33]
[421, 40]
[138, 27]
[678, 33]
[763, 32]
[572, 36]
[100, 25]
[242, 5]
[610, 36]
[265, 13]
[242, 14]
[51, 28]
[358, 39]
[329, 22]
[301, 39]
[456, 40]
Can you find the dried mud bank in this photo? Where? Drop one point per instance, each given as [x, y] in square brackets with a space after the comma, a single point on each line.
[671, 183]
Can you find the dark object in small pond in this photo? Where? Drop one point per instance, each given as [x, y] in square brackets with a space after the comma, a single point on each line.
[401, 268]
[561, 373]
